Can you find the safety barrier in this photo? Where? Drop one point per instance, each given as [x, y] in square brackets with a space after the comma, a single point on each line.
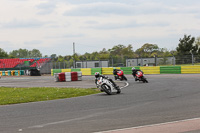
[65, 70]
[145, 69]
[55, 71]
[12, 73]
[94, 70]
[190, 69]
[86, 71]
[76, 70]
[170, 70]
[151, 70]
[107, 71]
[67, 76]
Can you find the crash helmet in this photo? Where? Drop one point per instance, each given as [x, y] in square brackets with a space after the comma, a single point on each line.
[133, 68]
[97, 74]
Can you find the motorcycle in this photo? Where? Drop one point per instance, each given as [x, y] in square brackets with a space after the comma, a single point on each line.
[106, 85]
[140, 77]
[120, 76]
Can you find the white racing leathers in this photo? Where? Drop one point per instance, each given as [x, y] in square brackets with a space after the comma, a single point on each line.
[107, 85]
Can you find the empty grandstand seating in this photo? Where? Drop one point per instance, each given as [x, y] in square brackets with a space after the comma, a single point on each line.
[12, 63]
[40, 62]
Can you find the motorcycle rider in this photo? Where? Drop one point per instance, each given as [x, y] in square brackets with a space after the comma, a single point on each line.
[98, 75]
[134, 72]
[115, 73]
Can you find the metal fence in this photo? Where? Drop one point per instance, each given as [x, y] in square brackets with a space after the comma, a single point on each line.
[116, 62]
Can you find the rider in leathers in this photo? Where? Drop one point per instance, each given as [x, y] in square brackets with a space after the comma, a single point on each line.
[97, 76]
[134, 72]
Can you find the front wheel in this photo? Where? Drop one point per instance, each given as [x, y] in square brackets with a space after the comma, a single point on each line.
[145, 80]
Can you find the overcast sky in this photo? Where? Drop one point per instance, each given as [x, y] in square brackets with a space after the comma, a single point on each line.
[53, 25]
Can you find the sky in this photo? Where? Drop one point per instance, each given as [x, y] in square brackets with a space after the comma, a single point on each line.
[52, 26]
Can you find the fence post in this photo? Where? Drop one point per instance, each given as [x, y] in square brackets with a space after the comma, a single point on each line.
[173, 60]
[192, 59]
[155, 60]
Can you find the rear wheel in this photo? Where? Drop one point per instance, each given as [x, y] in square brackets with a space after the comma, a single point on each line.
[107, 89]
[118, 90]
[124, 78]
[115, 77]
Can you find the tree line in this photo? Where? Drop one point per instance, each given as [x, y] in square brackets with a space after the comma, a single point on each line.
[187, 45]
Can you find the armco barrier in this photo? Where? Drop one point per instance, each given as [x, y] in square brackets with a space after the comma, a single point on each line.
[86, 71]
[151, 70]
[170, 69]
[190, 69]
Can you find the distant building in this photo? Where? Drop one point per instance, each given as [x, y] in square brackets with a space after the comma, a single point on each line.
[150, 61]
[91, 64]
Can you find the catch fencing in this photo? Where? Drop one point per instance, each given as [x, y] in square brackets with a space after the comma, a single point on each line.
[177, 60]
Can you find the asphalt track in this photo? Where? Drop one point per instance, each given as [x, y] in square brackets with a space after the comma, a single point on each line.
[162, 103]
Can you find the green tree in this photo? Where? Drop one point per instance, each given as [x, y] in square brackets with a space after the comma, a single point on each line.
[35, 53]
[3, 54]
[60, 58]
[186, 45]
[197, 44]
[104, 54]
[21, 53]
[147, 50]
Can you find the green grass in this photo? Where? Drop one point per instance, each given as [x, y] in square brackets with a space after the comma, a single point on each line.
[10, 95]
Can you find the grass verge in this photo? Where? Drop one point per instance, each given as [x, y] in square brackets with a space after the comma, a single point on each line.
[10, 95]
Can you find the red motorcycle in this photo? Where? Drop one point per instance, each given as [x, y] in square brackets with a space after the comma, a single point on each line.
[140, 77]
[120, 76]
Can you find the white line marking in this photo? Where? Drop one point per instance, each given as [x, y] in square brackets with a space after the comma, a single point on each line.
[127, 84]
[65, 121]
[152, 125]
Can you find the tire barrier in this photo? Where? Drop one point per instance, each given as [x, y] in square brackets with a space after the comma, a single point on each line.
[12, 73]
[67, 76]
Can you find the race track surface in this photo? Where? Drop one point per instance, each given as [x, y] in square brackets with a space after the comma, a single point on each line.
[166, 98]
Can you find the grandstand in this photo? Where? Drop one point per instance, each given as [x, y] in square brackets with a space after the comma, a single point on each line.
[16, 63]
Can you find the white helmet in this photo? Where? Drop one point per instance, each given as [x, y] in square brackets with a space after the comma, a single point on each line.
[133, 68]
[97, 74]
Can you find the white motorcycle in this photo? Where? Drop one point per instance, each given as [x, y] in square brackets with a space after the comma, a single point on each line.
[106, 85]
